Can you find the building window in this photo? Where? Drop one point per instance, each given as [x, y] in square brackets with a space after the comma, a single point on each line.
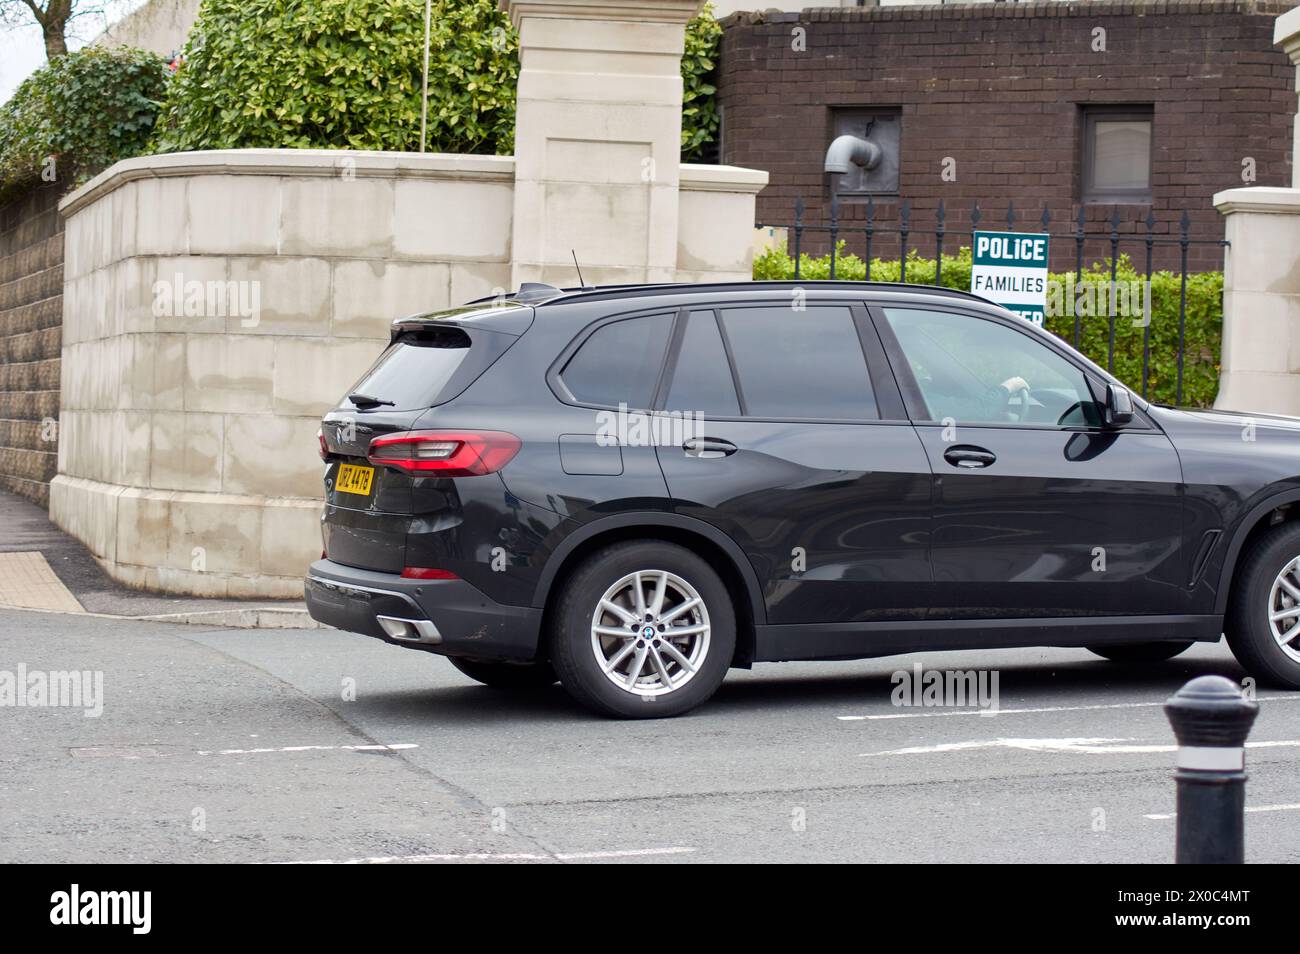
[883, 126]
[1117, 154]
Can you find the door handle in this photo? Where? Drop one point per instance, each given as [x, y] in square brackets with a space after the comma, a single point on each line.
[968, 457]
[708, 448]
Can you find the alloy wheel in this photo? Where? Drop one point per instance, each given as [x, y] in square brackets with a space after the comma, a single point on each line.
[1284, 609]
[650, 632]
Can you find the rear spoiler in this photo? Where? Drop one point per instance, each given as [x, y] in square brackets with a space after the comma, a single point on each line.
[510, 319]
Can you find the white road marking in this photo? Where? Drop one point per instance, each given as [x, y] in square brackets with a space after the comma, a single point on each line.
[1086, 746]
[1249, 808]
[131, 752]
[1034, 745]
[316, 748]
[508, 856]
[636, 853]
[999, 712]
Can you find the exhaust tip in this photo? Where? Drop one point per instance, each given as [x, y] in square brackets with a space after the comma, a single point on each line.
[409, 630]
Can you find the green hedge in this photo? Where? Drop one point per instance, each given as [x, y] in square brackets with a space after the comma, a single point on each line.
[342, 74]
[346, 74]
[1203, 325]
[87, 110]
[700, 119]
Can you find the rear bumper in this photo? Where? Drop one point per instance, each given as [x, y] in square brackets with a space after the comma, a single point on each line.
[451, 617]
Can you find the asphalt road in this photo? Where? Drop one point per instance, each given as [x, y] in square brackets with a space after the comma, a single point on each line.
[237, 745]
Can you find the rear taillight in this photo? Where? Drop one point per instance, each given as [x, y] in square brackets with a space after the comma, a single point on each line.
[427, 573]
[324, 448]
[445, 453]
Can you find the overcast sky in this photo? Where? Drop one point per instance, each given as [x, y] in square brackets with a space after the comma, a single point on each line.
[22, 50]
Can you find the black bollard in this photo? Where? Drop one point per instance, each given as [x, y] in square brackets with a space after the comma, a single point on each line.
[1211, 719]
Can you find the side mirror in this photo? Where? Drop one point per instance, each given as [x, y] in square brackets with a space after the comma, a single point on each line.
[1119, 406]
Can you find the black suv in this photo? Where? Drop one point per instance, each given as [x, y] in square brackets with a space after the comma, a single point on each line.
[632, 489]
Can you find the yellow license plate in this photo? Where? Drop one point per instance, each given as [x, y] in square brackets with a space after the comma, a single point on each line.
[353, 479]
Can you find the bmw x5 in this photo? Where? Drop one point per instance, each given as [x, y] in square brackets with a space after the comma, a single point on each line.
[634, 489]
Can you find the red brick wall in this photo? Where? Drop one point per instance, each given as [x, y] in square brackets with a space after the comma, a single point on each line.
[31, 326]
[998, 87]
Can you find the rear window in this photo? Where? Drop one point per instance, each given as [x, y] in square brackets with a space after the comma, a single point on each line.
[427, 367]
[806, 364]
[620, 362]
[702, 382]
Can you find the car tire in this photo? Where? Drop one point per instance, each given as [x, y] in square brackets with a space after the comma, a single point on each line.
[1257, 593]
[505, 675]
[628, 664]
[1141, 652]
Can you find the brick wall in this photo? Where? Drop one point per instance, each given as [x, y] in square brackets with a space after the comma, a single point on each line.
[999, 89]
[31, 318]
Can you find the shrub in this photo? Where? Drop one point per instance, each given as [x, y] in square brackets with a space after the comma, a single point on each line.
[342, 74]
[700, 118]
[1203, 324]
[346, 74]
[86, 110]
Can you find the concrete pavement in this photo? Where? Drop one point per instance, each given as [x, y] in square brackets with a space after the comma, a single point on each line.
[226, 745]
[41, 567]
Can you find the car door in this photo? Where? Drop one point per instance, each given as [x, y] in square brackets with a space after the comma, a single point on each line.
[799, 450]
[1039, 509]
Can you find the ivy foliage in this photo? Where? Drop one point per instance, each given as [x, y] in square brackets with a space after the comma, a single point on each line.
[79, 115]
[700, 119]
[347, 74]
[343, 74]
[1202, 326]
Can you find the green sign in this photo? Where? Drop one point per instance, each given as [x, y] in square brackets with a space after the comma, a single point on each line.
[1010, 269]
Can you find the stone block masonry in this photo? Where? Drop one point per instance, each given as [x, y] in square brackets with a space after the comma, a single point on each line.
[31, 318]
[215, 305]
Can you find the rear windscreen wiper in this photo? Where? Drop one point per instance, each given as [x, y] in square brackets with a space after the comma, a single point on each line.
[365, 400]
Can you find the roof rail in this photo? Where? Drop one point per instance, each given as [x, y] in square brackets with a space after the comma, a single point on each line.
[538, 293]
[604, 291]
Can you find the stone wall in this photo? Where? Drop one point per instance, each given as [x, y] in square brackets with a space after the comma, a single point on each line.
[31, 313]
[715, 223]
[188, 461]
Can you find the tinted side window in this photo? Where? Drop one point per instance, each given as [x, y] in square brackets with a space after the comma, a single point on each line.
[702, 379]
[978, 371]
[620, 362]
[800, 363]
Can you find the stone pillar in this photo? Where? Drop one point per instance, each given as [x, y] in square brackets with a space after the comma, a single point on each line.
[1286, 34]
[1261, 301]
[1261, 282]
[598, 139]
